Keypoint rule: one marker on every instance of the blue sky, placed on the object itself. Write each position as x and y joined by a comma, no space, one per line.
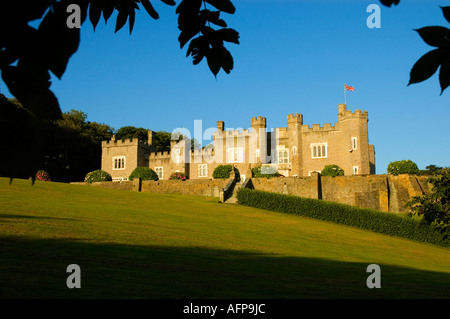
294,57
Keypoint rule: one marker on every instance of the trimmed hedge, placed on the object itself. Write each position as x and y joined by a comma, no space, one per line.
97,176
403,167
144,173
264,172
332,170
364,218
223,171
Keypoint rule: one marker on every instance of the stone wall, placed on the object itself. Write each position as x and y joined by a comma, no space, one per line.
187,187
382,192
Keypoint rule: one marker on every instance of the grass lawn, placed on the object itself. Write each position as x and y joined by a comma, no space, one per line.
144,245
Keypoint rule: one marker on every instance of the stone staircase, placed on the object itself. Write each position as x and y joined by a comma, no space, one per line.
233,198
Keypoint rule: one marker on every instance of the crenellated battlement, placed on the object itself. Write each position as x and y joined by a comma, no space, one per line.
159,155
113,142
347,114
258,121
327,127
295,118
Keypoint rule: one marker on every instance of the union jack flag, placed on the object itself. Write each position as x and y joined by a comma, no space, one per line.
348,87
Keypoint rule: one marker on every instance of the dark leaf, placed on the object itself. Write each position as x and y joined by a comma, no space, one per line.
388,3
444,73
169,2
186,35
426,66
95,11
229,35
435,36
30,85
131,20
223,5
57,43
446,11
213,59
227,60
108,9
149,8
121,19
213,17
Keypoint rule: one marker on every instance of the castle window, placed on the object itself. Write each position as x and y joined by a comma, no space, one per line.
319,150
354,143
160,172
294,150
283,157
203,170
235,155
119,162
355,170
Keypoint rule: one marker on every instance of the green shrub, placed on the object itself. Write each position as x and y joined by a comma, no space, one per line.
144,173
178,175
97,176
403,167
42,175
364,218
332,170
264,172
223,171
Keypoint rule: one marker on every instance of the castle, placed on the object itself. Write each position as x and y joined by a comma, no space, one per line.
293,151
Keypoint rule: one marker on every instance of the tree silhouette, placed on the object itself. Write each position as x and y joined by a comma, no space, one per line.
27,55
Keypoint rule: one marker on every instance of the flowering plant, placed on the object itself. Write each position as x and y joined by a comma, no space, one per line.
178,175
43,176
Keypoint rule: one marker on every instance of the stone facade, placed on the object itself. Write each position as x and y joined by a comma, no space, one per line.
294,151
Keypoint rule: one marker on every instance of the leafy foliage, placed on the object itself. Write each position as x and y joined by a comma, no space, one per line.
434,207
402,167
97,176
72,146
28,54
130,132
224,171
264,172
332,170
431,170
19,161
364,218
144,173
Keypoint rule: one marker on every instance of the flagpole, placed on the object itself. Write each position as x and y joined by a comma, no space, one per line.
345,95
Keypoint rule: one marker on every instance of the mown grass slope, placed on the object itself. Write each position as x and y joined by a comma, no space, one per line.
143,245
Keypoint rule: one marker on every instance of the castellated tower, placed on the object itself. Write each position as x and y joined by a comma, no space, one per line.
258,141
358,154
295,122
121,157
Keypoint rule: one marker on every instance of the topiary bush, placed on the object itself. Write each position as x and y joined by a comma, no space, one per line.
223,171
97,176
42,175
178,175
265,172
144,173
403,167
332,170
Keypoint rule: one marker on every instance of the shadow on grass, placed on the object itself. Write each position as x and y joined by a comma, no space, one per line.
15,216
36,268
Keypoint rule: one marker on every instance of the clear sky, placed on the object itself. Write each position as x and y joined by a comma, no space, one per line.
294,57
